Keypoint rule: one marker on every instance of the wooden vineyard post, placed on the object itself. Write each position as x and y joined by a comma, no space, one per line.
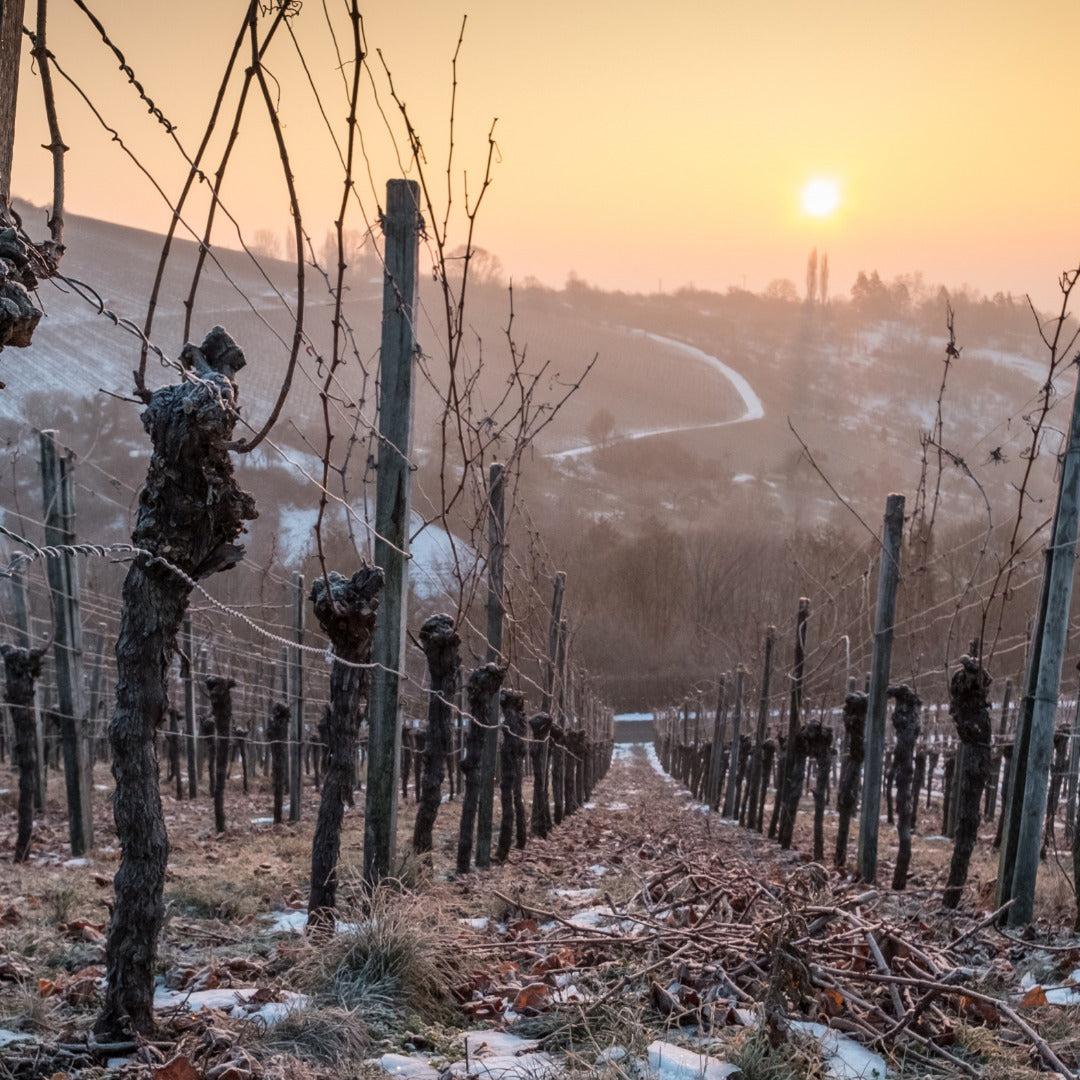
490,753
540,754
877,698
191,736
1073,769
401,229
58,490
1031,760
757,779
731,808
11,21
790,787
295,671
716,751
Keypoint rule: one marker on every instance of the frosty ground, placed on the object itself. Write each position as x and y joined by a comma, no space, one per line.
643,933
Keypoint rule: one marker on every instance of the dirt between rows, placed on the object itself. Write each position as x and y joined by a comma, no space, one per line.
641,917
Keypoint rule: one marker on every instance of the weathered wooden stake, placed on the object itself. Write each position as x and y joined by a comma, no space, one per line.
489,757
401,229
58,490
296,700
757,777
790,787
730,802
885,617
1035,733
191,734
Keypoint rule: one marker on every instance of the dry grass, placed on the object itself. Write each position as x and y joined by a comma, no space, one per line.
393,974
389,961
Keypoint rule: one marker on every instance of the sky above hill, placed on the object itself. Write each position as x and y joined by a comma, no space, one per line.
638,146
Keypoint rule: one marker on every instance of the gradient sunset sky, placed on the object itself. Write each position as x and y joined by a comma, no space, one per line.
640,145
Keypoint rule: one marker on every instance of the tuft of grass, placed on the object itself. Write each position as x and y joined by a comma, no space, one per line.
232,898
585,1031
390,963
59,902
22,1008
757,1059
319,1035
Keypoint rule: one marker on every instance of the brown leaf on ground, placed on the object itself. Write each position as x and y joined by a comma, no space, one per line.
179,1068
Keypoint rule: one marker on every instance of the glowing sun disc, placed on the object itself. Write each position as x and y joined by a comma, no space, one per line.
821,197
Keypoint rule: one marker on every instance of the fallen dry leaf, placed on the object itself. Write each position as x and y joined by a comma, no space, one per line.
179,1068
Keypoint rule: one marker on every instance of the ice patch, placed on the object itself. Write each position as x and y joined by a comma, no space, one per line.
576,895
407,1068
845,1059
1068,994
233,1000
476,924
295,922
7,1038
670,1062
618,806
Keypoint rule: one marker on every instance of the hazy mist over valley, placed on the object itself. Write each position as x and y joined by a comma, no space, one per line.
670,486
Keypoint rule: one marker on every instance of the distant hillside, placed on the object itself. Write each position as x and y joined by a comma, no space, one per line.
682,423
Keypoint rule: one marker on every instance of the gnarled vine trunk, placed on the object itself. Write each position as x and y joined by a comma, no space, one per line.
540,820
346,608
969,704
277,731
512,824
818,745
191,510
22,667
220,690
847,791
483,685
440,641
905,720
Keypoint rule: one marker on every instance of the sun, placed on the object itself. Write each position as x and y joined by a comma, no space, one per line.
821,197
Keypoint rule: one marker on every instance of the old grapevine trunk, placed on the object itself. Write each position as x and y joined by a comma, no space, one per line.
346,609
906,725
277,731
440,641
540,728
847,791
512,824
483,685
22,667
969,705
819,744
191,511
220,690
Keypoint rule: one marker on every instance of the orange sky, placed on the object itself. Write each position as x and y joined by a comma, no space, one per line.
640,144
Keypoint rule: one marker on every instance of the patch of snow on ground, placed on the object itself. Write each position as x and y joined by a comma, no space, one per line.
576,895
233,1000
407,1068
1056,995
295,922
670,1062
7,1038
845,1059
654,761
617,806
